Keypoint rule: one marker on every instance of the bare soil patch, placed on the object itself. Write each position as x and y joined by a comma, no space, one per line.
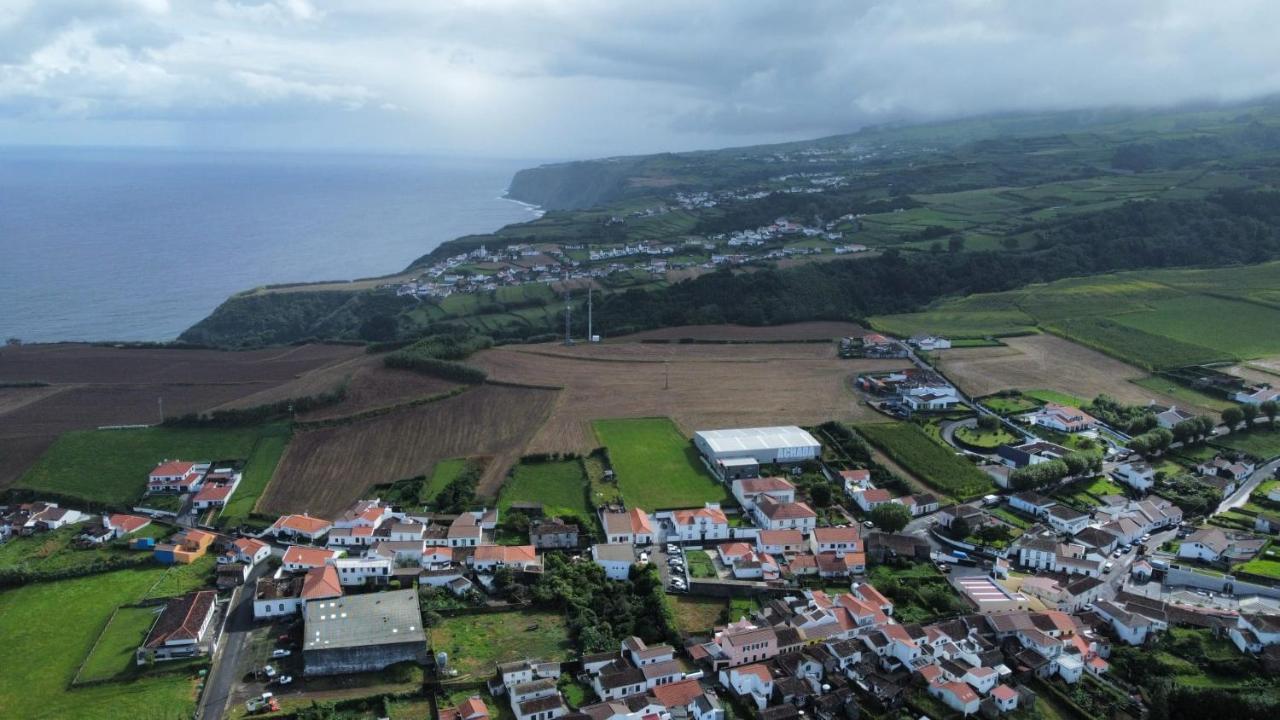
91,386
1048,362
817,330
324,470
1263,370
698,386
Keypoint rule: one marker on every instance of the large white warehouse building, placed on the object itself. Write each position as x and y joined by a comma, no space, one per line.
764,445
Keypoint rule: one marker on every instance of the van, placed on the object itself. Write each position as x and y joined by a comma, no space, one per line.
1107,568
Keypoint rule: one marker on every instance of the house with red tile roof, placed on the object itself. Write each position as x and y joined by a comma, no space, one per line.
249,551
473,708
696,525
956,695
1005,697
836,540
184,629
750,682
488,558
215,494
366,514
632,526
176,476
321,583
301,557
780,542
871,498
748,491
773,515
298,526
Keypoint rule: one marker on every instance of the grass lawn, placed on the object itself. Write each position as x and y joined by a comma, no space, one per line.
560,486
53,551
115,652
700,564
257,473
657,467
57,622
1266,564
742,607
1053,396
984,439
1260,443
445,472
181,579
111,466
1007,516
1009,404
477,643
1182,393
934,464
697,614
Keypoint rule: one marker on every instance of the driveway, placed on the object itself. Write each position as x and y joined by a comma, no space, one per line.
235,638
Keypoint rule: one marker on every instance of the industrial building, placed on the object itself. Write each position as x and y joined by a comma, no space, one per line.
730,452
362,633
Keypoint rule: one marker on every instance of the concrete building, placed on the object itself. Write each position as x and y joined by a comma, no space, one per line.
615,558
765,445
362,633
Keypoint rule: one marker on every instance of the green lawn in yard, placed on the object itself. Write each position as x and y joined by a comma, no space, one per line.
116,649
48,629
983,438
1183,394
742,607
111,466
181,579
1007,516
54,552
697,614
700,564
445,472
935,465
560,486
657,467
1009,404
1259,442
257,474
1053,396
478,643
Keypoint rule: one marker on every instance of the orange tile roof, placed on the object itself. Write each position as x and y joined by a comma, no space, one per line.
781,537
127,523
248,546
835,535
508,554
760,670
765,484
1004,692
301,523
871,595
963,692
173,467
690,517
677,694
320,583
640,522
472,707
303,555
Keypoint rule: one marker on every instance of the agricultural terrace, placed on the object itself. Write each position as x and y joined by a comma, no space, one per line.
325,470
58,623
935,465
697,385
1151,318
111,466
258,470
477,643
561,487
657,467
1047,368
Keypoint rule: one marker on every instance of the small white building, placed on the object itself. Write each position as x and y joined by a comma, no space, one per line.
1136,474
615,558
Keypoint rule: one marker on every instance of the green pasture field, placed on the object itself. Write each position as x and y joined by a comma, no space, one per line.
476,644
1009,404
54,552
1259,442
111,466
656,467
1242,330
1182,393
181,579
445,472
935,465
116,649
560,486
1058,398
57,622
258,470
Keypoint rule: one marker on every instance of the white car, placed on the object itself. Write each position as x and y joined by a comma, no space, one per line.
285,679
269,671
281,652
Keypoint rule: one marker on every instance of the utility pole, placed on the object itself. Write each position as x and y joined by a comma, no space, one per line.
590,334
568,309
160,402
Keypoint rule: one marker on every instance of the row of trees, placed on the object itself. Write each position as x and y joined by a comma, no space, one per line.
1247,414
1076,464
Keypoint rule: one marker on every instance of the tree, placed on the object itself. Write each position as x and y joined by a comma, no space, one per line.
891,516
1270,408
820,494
959,528
1232,417
1250,413
1077,463
988,423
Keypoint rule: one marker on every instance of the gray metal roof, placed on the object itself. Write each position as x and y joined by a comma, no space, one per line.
360,620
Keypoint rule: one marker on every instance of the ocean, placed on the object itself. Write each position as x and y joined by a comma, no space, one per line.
116,244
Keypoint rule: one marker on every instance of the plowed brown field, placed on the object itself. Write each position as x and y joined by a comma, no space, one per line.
324,470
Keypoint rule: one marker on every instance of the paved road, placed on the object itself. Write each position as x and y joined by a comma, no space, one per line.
1241,495
235,638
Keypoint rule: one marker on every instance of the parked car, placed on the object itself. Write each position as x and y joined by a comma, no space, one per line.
269,671
285,679
1117,553
1107,568
868,524
281,652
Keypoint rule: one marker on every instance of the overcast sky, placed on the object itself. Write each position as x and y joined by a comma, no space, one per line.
527,78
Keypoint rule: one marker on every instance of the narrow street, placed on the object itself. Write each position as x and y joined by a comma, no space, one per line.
1242,493
226,662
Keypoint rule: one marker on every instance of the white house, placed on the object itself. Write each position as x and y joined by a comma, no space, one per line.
835,540
929,343
176,476
298,526
871,498
750,682
1066,519
772,515
1252,633
363,570
632,527
700,525
749,490
615,558
1206,544
956,695
301,557
1129,627
1257,395
1136,474
1031,503
246,550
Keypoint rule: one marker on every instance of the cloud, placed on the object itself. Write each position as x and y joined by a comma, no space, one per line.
576,78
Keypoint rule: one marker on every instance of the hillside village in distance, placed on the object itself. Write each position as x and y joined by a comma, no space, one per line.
1057,541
